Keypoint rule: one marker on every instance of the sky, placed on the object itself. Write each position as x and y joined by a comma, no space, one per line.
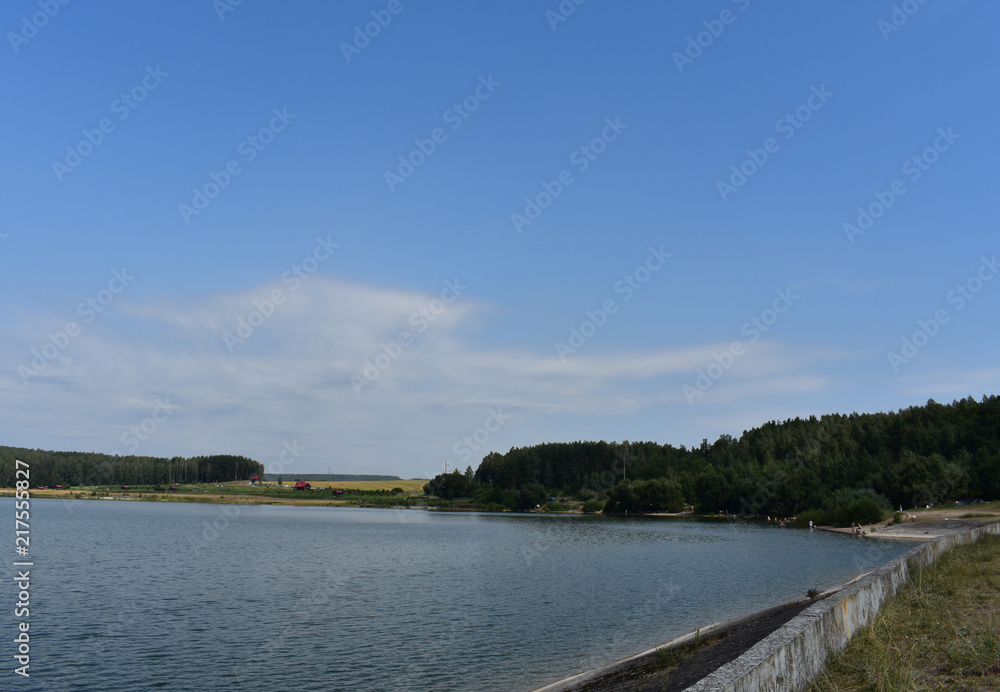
390,237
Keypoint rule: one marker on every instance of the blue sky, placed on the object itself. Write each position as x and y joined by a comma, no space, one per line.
398,313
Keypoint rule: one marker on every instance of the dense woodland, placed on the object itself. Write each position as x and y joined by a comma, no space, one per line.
917,456
86,468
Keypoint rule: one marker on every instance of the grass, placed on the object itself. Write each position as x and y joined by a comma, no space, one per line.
940,632
414,487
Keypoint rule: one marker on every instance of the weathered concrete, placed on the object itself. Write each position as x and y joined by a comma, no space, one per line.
582,680
793,656
926,530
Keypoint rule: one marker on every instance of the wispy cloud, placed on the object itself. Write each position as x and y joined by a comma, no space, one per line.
292,379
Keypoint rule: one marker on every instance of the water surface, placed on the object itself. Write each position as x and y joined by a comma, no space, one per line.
146,596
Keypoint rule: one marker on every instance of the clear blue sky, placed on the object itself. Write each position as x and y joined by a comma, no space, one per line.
833,100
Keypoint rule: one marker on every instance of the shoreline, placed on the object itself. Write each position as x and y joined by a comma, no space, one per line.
710,651
657,669
928,525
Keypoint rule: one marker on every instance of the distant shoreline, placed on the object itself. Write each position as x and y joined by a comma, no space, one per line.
930,524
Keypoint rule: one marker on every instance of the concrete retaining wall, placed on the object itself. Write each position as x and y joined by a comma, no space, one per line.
794,655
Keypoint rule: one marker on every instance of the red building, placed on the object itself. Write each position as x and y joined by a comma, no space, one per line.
302,485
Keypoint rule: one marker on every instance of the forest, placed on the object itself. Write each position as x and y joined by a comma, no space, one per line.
914,457
88,468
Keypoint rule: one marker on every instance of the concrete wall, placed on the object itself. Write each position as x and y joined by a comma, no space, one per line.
793,656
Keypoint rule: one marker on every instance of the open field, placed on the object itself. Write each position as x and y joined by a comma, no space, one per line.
410,487
941,631
242,492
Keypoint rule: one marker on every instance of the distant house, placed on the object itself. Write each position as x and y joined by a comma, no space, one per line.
338,491
125,487
255,480
173,488
302,485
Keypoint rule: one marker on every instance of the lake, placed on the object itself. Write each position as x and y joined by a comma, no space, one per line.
144,596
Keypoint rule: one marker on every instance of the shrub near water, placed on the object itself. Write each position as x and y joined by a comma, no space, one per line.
817,516
864,510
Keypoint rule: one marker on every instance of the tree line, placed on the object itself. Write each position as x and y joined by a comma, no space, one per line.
89,468
917,456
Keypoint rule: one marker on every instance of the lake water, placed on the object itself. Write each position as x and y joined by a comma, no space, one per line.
146,596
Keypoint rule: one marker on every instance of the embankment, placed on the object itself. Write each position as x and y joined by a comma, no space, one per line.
791,656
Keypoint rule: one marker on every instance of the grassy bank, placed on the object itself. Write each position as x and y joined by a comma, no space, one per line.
941,631
357,493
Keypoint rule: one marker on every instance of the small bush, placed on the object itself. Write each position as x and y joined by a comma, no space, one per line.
864,510
897,518
817,516
593,505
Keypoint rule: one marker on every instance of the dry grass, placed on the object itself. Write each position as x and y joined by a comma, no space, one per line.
940,632
414,487
982,509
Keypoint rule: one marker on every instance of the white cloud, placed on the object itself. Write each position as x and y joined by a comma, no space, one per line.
291,379
954,383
